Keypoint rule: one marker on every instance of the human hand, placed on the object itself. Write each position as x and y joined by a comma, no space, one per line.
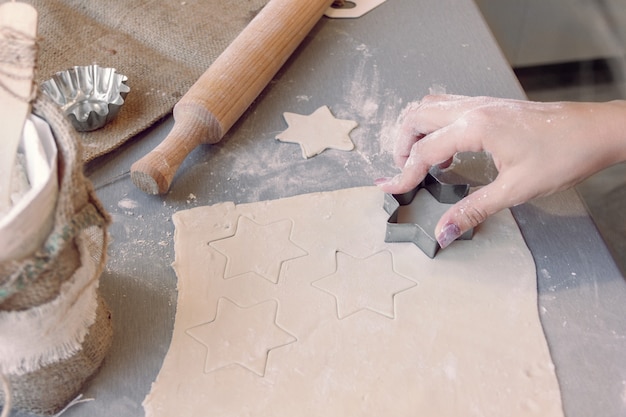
538,149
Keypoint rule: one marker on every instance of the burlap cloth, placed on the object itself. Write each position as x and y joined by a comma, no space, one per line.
77,336
163,46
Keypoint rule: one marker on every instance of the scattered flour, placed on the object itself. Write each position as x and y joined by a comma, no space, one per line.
127,203
437,89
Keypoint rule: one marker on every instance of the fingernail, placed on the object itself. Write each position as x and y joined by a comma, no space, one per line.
382,181
448,234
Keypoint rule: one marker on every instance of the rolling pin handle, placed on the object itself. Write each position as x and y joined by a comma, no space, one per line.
194,125
148,176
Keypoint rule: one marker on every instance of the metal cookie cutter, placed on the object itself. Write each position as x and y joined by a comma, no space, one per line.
414,214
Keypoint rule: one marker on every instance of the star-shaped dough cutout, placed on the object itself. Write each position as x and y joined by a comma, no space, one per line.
241,336
364,284
317,132
261,249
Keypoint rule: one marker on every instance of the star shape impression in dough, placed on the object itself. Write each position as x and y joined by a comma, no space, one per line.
317,132
257,248
364,284
241,336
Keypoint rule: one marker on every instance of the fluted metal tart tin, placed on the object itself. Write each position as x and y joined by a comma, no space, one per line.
90,96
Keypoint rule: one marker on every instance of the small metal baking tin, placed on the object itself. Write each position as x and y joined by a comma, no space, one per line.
415,232
90,96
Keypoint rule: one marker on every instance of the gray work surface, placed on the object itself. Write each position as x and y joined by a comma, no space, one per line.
367,70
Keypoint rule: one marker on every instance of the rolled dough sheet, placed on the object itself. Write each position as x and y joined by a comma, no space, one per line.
297,307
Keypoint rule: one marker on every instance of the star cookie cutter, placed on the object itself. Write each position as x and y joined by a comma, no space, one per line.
416,232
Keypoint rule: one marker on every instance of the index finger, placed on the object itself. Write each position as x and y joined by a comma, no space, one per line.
421,118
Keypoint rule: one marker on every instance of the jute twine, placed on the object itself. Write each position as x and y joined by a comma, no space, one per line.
18,53
44,383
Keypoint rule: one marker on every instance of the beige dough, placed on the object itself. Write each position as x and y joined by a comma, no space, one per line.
297,307
317,132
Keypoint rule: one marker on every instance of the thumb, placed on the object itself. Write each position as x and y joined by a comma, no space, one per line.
469,213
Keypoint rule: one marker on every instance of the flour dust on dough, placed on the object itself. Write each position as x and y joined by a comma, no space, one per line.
343,324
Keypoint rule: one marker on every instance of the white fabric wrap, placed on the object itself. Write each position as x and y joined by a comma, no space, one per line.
54,331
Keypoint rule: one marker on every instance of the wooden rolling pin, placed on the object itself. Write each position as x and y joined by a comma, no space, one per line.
228,87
